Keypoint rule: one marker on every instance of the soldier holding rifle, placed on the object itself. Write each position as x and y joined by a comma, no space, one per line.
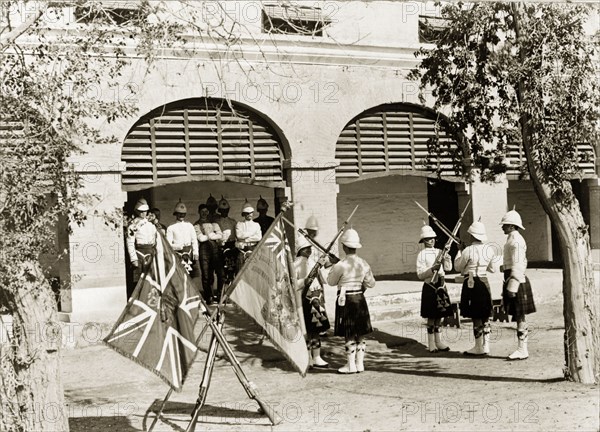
313,303
431,264
433,303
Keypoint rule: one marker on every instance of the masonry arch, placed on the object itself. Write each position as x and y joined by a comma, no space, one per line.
396,139
203,139
190,149
386,162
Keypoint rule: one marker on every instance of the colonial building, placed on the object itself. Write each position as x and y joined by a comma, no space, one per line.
312,104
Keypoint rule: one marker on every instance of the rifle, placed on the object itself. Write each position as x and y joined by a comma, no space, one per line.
332,257
444,252
315,270
439,224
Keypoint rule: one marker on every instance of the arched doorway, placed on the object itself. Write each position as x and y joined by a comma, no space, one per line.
390,156
194,148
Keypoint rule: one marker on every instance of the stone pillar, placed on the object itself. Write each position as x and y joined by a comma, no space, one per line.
314,192
488,202
97,249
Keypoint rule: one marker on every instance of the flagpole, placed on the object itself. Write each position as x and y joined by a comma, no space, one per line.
206,376
226,293
219,339
170,392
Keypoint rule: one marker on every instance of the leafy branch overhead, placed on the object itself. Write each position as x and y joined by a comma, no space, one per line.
478,63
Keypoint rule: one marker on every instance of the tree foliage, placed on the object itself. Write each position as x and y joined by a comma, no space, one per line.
526,75
478,63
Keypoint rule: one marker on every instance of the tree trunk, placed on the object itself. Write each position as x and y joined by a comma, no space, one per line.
32,397
580,307
580,300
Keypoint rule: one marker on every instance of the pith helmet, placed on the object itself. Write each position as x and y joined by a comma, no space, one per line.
512,218
141,205
180,208
247,208
312,223
223,203
351,239
302,243
477,230
426,232
261,204
212,203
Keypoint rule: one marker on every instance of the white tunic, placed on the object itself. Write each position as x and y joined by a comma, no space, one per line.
350,273
425,260
515,256
247,233
181,234
140,232
477,259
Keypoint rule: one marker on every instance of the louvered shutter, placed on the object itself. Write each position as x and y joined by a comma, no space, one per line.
391,139
203,140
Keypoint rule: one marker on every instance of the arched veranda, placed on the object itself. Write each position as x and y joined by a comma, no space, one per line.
388,159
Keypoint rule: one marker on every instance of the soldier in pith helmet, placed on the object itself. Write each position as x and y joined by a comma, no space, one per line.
313,303
312,226
517,294
182,237
474,262
212,205
141,239
247,233
227,226
352,275
263,220
427,266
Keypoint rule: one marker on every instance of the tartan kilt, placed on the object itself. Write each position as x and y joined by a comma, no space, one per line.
430,299
476,302
352,319
523,303
315,315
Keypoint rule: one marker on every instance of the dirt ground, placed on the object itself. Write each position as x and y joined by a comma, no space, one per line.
404,387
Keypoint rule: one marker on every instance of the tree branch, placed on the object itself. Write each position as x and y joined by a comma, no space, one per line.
10,37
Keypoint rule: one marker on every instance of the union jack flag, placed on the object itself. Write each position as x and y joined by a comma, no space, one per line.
265,290
156,328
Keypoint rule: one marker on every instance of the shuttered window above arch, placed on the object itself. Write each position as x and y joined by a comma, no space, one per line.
394,138
201,140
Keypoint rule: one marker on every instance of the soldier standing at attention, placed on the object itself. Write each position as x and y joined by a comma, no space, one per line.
517,295
247,233
212,205
476,295
263,220
352,275
227,226
141,239
209,235
427,265
182,237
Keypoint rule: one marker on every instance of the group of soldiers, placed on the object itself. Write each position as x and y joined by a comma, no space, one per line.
474,262
215,241
353,276
214,246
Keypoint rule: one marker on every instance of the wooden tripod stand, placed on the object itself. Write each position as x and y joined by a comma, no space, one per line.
215,322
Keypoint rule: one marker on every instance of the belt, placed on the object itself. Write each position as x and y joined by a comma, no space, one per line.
145,246
352,292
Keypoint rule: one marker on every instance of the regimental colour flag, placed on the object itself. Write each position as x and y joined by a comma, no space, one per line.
264,289
156,328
